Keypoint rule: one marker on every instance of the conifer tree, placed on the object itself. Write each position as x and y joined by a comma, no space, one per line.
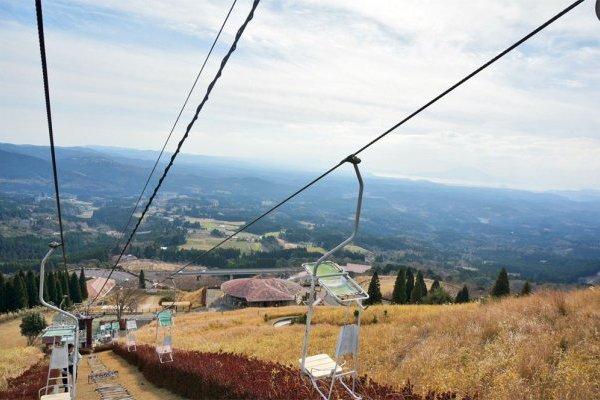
374,290
50,287
2,293
416,296
421,282
399,293
64,283
83,285
20,292
526,289
410,284
463,295
142,280
435,285
58,292
501,287
32,290
10,295
74,289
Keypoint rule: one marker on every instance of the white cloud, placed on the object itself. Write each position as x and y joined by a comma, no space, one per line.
313,80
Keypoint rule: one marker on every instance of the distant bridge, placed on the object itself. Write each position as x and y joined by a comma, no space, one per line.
231,272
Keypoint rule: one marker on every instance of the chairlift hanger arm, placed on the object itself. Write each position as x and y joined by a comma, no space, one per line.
354,160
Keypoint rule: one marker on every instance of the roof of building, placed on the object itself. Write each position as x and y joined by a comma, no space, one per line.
94,285
260,290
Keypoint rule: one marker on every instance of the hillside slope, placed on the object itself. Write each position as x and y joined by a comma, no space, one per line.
545,346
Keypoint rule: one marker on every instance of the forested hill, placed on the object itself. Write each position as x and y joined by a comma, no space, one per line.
542,236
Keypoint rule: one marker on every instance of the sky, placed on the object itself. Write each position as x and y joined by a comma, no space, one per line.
313,80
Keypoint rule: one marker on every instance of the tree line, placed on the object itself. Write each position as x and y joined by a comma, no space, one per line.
411,289
21,290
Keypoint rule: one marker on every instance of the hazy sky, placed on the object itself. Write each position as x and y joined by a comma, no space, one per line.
314,79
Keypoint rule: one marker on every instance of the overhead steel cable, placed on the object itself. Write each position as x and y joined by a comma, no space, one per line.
137,203
183,139
381,136
42,43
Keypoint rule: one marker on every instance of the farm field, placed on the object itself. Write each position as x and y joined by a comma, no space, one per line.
545,346
203,241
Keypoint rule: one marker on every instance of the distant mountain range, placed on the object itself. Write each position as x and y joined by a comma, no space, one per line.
551,232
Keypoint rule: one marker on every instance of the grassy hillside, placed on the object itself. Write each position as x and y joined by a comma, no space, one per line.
15,355
545,346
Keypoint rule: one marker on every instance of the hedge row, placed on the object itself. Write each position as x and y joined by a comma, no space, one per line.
26,385
217,376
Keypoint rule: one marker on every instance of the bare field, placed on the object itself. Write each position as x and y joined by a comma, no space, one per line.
203,241
545,346
149,265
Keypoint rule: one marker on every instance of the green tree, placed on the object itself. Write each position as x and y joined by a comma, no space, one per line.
2,293
64,283
50,287
32,324
501,287
83,285
58,291
416,296
410,283
9,291
435,285
374,290
421,282
463,295
74,288
32,290
399,293
437,296
526,289
20,292
142,280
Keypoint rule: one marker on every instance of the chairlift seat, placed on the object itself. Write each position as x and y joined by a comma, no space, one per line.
336,281
56,396
165,349
320,366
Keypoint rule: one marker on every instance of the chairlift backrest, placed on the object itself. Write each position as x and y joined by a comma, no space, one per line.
165,318
347,341
131,324
167,341
59,358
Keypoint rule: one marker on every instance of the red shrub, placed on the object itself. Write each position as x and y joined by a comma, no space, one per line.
216,376
26,385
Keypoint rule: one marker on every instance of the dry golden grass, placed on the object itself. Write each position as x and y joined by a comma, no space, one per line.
15,355
545,346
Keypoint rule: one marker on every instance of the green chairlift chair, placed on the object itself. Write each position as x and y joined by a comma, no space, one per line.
63,331
164,343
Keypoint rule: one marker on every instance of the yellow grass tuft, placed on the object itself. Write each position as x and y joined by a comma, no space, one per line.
15,360
544,346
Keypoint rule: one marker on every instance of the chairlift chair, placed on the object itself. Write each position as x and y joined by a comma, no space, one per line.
64,331
346,292
131,327
164,324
